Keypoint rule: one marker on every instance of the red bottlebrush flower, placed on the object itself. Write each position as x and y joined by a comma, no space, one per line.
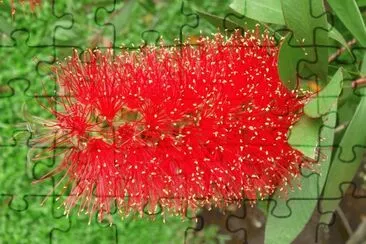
179,127
98,84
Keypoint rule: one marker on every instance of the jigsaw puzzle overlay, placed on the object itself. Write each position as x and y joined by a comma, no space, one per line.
321,51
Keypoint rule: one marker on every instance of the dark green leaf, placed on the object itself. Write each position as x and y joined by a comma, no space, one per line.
350,15
326,98
267,11
346,161
309,33
289,217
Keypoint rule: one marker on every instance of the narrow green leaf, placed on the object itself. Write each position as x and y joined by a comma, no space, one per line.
350,15
267,11
289,217
346,161
231,20
224,23
325,99
299,18
337,36
304,136
218,21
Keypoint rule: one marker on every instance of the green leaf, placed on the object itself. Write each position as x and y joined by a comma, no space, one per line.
230,23
325,99
350,15
290,217
267,11
299,18
346,161
337,36
289,65
222,22
219,22
304,136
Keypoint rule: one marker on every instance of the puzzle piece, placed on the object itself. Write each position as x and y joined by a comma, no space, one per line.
30,223
34,43
149,27
30,67
15,148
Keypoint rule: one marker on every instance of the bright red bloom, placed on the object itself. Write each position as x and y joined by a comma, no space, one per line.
179,127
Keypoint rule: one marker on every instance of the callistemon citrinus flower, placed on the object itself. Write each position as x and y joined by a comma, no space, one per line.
178,127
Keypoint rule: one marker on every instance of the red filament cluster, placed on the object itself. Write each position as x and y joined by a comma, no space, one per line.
179,127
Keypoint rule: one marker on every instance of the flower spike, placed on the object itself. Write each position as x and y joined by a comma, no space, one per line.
176,128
